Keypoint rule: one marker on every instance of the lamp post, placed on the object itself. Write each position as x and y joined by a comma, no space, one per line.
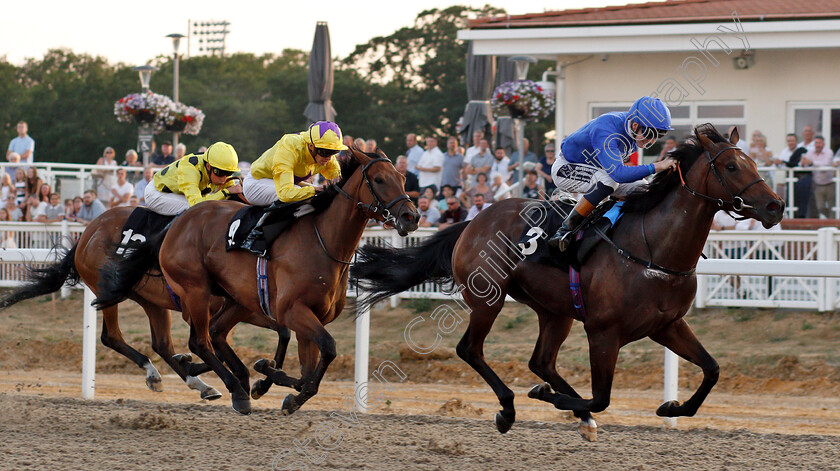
522,64
176,42
144,133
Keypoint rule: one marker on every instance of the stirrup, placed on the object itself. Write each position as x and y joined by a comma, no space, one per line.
561,239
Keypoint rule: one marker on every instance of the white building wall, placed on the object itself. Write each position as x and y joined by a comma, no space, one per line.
776,78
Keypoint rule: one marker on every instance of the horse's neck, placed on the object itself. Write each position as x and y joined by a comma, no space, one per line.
342,225
676,229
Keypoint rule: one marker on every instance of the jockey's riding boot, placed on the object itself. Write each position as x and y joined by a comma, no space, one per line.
563,238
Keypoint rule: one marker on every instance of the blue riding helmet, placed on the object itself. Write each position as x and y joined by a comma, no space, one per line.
651,113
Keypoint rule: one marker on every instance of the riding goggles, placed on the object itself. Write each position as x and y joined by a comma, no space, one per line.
220,173
325,152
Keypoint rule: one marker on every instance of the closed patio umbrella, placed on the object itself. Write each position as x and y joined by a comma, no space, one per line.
505,72
477,114
320,107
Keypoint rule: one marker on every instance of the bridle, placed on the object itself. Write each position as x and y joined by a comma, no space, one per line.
736,202
377,207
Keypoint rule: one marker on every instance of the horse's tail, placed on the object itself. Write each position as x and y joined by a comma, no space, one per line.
382,272
126,269
45,280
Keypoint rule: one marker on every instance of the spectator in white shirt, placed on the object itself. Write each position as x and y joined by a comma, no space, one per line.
479,162
35,208
122,190
475,148
23,145
54,212
501,164
429,213
808,138
413,154
140,188
430,164
478,206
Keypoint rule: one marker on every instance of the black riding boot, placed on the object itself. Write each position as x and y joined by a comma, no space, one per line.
563,237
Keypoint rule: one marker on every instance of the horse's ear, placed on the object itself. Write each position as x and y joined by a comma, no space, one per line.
734,137
704,141
360,156
381,153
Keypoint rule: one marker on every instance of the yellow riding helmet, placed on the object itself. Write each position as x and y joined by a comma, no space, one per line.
223,157
326,135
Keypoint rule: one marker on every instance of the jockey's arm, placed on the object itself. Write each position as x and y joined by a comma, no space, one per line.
189,180
609,153
284,184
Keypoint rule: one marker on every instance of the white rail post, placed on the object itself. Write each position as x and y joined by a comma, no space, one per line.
824,250
360,386
66,243
397,243
672,372
89,347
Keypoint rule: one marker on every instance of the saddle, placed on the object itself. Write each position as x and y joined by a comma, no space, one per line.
255,228
546,217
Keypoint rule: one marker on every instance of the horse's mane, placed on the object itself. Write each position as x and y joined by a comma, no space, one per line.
664,182
348,165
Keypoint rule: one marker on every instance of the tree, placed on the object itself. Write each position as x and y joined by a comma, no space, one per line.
421,73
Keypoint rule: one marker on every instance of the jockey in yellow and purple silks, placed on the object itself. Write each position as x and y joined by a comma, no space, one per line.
193,179
278,173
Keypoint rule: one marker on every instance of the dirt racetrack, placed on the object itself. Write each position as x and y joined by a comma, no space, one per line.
43,425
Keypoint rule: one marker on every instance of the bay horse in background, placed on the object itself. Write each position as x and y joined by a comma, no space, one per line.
307,272
82,262
625,301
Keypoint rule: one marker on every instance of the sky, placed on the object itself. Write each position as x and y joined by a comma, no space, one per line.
135,32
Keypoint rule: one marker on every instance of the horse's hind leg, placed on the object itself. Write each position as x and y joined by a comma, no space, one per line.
471,350
309,330
678,337
554,330
196,308
113,339
261,386
160,324
233,313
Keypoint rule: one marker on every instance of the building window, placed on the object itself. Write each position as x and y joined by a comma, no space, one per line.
684,117
824,117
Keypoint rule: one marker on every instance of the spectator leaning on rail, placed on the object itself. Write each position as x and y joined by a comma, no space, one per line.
91,208
140,187
276,175
23,145
591,160
822,187
193,179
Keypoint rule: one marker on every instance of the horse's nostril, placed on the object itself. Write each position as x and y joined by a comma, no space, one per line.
774,207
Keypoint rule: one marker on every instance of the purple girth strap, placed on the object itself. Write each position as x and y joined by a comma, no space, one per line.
574,285
300,179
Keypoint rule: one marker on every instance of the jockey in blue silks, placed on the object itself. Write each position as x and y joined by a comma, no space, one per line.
591,159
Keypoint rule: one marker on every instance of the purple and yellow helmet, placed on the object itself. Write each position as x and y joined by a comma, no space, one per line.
326,135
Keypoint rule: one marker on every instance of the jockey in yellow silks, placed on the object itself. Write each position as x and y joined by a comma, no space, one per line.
278,173
194,178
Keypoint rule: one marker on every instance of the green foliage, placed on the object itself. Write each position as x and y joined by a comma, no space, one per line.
421,305
410,81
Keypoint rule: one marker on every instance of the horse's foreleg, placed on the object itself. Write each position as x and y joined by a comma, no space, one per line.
113,339
219,334
310,334
471,350
553,332
678,337
269,368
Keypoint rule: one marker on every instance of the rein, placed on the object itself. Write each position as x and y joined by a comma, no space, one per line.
377,207
736,202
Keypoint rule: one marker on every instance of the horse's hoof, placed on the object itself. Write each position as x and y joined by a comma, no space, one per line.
243,406
260,365
154,383
259,388
182,357
289,407
668,409
501,423
588,430
210,394
537,391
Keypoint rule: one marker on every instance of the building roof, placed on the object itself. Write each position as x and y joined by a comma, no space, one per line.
671,11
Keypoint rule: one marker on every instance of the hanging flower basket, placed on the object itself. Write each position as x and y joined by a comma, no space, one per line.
144,108
186,119
522,99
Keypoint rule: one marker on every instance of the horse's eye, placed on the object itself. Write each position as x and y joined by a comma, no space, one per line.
379,180
730,167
